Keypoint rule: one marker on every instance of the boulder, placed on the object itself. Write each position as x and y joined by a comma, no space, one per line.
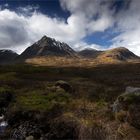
64,85
130,103
130,89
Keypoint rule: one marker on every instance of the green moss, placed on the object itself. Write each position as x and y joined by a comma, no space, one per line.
101,103
38,101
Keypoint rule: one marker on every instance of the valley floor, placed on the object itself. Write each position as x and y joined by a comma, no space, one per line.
76,61
52,102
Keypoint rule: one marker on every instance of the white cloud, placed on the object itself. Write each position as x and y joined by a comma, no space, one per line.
22,27
18,30
96,15
83,45
127,19
128,24
27,25
12,29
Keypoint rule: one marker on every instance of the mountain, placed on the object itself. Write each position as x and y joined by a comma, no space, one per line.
89,53
47,46
7,56
119,54
88,58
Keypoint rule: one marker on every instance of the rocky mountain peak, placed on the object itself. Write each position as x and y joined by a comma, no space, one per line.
47,46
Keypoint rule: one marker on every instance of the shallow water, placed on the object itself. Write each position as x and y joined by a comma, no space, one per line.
3,125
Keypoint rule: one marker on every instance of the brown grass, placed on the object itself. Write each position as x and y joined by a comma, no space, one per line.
76,62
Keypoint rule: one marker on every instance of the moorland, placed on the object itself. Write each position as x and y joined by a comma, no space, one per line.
50,102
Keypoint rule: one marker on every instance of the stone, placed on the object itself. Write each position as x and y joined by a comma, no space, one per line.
130,89
130,103
64,85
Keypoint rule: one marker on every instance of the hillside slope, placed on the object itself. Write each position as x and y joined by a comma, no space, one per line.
88,59
120,54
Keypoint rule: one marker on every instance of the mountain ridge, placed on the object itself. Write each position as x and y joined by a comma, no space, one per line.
49,48
7,56
89,53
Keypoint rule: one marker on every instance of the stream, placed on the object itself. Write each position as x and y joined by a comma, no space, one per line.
3,125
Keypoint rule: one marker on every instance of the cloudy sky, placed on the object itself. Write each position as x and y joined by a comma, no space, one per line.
98,24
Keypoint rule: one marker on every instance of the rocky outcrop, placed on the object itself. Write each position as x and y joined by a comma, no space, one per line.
26,129
127,106
130,89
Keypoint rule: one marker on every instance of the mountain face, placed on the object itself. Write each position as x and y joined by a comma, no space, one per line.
117,54
47,46
89,53
7,56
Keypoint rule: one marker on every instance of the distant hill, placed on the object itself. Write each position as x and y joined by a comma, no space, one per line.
120,54
89,53
7,56
47,46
